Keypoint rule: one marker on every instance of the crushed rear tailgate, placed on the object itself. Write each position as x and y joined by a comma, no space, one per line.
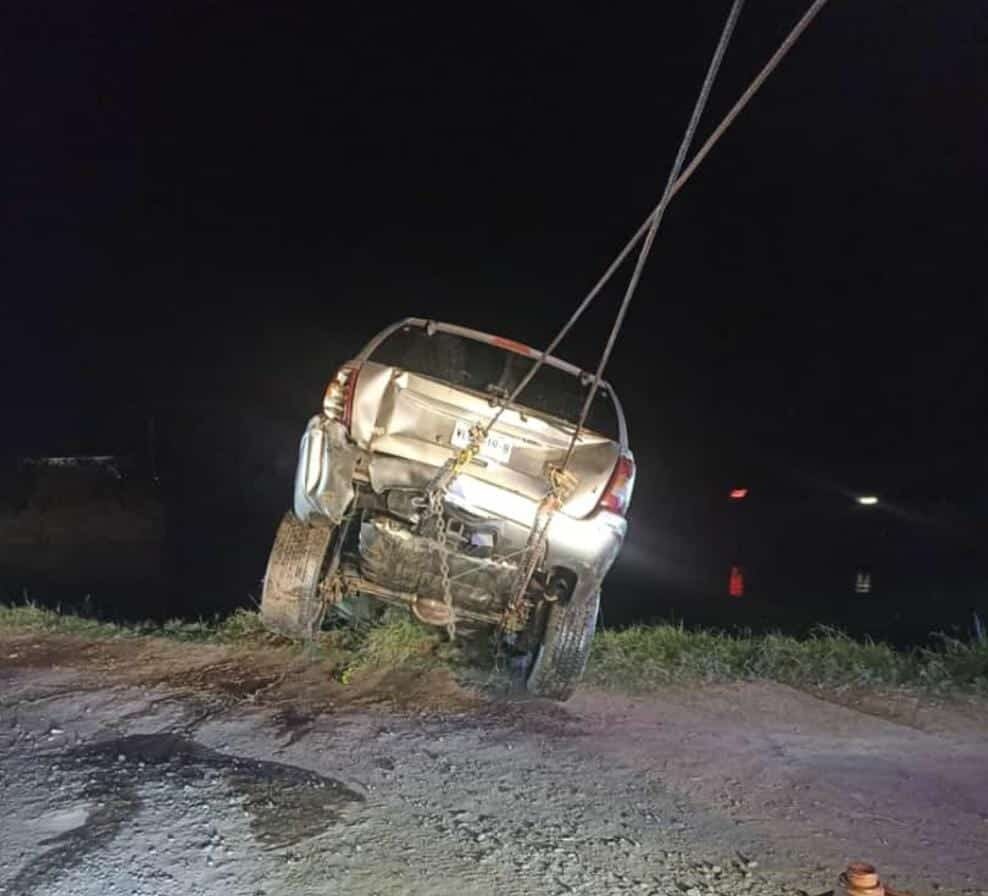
417,418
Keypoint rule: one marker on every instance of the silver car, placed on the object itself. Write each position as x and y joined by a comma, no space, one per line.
406,495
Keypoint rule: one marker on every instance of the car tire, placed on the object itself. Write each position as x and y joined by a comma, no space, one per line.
291,603
561,658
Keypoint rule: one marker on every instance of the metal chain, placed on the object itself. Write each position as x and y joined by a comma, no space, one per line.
515,613
436,495
436,511
562,484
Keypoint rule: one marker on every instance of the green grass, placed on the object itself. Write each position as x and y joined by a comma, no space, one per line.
397,640
239,627
636,659
641,658
31,616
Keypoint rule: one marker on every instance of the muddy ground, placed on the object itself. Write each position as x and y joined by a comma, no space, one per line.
152,767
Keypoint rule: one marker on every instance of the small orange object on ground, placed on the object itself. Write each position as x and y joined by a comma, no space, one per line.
861,879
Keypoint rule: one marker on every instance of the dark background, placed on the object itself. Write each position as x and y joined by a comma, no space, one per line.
210,206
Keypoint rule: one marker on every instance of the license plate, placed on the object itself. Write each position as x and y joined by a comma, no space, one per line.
496,447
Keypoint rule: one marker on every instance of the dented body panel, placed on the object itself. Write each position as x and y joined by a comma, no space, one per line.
326,465
399,427
402,415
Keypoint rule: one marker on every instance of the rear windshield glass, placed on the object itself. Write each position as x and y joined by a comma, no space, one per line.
490,370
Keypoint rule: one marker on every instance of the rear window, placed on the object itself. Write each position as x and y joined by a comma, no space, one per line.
494,371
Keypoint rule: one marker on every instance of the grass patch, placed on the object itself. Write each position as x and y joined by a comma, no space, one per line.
35,618
636,659
641,658
241,626
397,640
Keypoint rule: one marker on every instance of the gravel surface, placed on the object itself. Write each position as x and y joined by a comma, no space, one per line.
118,789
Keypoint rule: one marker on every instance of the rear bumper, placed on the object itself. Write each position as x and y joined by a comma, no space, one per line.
587,547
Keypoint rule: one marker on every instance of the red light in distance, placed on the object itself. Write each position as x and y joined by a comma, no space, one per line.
738,493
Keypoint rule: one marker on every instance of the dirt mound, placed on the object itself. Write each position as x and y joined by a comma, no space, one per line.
261,674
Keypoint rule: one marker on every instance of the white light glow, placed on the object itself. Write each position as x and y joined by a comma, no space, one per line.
868,500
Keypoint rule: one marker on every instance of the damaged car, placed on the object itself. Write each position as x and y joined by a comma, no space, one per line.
422,485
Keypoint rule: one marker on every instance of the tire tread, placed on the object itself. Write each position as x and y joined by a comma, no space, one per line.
565,649
290,600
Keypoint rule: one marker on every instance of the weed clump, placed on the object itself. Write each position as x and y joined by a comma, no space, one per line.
396,640
645,657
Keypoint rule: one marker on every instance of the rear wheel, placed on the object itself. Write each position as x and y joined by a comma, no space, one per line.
562,656
291,603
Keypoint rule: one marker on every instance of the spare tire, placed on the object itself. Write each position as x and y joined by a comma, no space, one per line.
561,658
291,603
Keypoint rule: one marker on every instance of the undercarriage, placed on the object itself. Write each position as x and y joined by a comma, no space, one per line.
390,552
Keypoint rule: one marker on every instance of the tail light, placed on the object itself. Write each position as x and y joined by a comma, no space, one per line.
617,495
337,404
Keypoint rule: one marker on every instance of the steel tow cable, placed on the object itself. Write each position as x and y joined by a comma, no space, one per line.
701,154
561,485
656,218
648,229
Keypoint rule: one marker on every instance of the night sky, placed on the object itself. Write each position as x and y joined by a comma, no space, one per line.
208,207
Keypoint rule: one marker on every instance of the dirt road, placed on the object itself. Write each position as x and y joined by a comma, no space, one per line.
155,768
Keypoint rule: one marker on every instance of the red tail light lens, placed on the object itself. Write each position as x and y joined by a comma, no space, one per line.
337,403
617,495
